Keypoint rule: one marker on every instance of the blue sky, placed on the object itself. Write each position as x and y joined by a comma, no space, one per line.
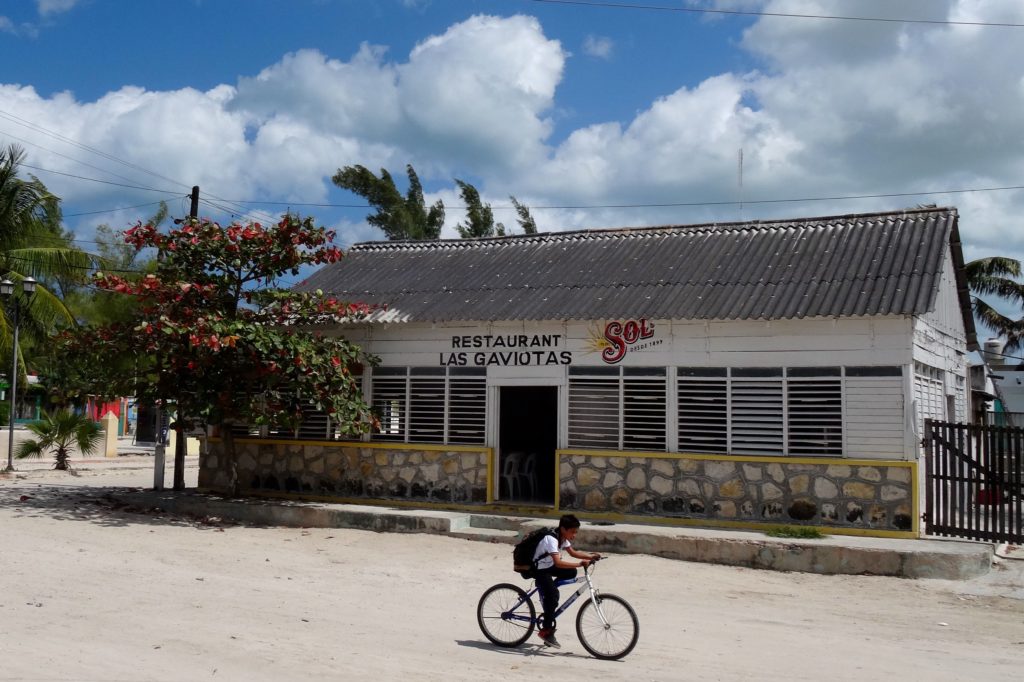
559,104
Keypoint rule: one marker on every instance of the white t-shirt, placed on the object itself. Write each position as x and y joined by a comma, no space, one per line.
548,546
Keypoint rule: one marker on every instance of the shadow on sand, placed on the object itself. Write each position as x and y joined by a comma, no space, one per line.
100,505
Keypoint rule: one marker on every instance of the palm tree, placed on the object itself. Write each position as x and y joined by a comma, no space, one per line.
31,243
995,277
60,432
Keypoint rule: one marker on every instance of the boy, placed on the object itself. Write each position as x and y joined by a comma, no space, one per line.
551,567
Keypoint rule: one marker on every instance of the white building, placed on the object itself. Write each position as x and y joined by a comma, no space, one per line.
735,374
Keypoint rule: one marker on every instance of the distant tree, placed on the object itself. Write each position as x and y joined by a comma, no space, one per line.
996,276
399,217
214,336
93,306
479,216
60,432
525,218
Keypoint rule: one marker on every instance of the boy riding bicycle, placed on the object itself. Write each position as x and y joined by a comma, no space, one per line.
550,568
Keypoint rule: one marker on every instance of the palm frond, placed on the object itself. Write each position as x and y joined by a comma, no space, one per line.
995,266
29,448
50,261
992,318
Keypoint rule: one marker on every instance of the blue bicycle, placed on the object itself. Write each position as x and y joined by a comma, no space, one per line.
606,624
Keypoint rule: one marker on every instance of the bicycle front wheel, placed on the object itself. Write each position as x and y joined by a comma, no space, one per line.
610,637
506,615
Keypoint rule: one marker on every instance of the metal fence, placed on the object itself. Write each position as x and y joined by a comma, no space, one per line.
974,481
1015,419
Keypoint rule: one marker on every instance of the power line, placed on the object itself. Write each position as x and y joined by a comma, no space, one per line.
109,210
105,182
55,135
682,203
83,268
65,156
788,15
675,204
45,131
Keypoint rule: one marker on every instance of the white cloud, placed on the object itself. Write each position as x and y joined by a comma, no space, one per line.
6,25
476,94
47,7
598,46
840,108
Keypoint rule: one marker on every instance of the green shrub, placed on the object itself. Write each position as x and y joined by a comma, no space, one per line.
802,532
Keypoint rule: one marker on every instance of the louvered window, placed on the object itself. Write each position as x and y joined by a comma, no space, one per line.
928,394
467,403
644,395
756,398
814,402
761,410
594,407
617,408
430,404
703,400
315,425
426,404
390,391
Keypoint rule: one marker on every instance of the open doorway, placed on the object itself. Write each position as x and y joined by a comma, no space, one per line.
528,436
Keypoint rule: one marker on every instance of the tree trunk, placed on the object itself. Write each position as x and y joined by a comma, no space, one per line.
62,460
227,439
179,454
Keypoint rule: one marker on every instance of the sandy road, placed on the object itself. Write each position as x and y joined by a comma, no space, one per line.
89,591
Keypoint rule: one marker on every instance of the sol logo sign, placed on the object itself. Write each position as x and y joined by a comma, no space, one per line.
620,337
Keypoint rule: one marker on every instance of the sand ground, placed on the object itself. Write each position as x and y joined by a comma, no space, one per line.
92,591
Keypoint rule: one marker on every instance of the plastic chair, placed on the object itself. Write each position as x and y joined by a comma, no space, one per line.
530,474
510,473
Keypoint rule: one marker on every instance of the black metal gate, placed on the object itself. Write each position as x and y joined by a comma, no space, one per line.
974,477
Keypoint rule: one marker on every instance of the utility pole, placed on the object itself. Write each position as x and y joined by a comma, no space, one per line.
180,446
159,451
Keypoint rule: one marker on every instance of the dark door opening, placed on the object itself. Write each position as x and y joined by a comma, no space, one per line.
528,436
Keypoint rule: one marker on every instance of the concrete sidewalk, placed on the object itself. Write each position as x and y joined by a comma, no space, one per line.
838,554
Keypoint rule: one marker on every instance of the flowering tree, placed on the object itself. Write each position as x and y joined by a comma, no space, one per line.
215,336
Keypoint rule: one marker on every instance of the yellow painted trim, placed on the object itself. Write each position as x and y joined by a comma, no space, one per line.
832,461
490,475
426,447
915,500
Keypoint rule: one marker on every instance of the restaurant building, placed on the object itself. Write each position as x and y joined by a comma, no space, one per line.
731,374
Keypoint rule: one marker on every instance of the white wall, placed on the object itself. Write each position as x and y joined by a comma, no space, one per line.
745,343
940,342
876,412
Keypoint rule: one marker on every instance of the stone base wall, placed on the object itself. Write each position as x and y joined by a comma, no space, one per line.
350,470
836,493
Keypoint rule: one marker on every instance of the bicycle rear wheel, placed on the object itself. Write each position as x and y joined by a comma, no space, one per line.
613,637
506,615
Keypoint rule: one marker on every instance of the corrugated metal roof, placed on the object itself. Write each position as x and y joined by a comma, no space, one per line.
866,264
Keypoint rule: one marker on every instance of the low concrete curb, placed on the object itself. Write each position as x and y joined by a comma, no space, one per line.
848,555
834,555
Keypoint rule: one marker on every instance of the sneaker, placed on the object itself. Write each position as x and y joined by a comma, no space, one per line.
549,639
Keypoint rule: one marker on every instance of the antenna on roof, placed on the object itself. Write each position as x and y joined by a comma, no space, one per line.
740,164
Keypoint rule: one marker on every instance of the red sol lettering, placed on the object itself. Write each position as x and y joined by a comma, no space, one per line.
621,335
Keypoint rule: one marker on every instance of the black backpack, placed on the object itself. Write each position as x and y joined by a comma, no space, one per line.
525,549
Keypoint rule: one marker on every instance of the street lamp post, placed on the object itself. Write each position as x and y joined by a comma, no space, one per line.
28,286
